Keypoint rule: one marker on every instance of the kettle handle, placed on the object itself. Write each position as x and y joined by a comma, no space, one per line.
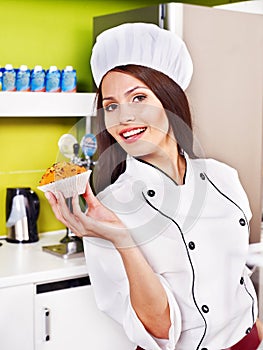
35,201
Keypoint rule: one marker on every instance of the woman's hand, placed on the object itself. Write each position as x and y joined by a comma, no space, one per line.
98,221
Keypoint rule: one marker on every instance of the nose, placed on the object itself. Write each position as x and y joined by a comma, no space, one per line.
126,113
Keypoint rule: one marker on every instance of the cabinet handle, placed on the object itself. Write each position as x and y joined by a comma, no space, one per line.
46,333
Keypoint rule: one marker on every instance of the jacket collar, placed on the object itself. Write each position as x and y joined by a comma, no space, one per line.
151,174
162,193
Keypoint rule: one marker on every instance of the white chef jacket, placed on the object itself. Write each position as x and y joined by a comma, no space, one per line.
195,237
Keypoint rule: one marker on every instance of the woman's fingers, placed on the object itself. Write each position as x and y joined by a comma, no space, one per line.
62,211
86,222
92,226
72,220
97,222
52,199
65,211
90,198
77,210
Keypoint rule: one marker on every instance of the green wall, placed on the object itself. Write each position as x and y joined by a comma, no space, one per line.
46,32
53,32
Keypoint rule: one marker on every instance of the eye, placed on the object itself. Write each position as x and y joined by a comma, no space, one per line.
138,98
111,107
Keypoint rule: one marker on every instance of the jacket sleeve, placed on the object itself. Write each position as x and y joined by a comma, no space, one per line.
111,290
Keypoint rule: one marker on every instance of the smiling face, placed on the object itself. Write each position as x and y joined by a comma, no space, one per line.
134,116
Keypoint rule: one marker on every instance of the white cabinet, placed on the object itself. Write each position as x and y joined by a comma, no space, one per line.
66,317
57,315
16,318
47,303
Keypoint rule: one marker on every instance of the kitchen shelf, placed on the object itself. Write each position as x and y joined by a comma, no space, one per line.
44,104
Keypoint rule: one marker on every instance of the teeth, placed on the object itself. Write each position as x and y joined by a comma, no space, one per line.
133,132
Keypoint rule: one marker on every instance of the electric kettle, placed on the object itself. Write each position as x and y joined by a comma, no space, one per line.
22,210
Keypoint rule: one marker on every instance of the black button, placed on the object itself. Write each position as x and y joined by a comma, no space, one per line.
202,175
205,309
151,193
191,245
204,349
248,330
242,222
241,280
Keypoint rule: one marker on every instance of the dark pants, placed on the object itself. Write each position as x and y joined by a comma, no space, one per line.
249,342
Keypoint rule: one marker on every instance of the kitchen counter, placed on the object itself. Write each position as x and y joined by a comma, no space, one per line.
28,263
46,315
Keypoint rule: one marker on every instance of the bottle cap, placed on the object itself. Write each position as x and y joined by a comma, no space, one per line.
37,68
8,67
69,68
23,67
53,68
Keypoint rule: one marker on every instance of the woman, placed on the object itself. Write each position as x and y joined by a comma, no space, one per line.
166,238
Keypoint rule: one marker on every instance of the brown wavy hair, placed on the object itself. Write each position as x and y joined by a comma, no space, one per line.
112,158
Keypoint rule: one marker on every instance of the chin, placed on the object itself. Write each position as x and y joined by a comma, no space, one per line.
139,154
140,149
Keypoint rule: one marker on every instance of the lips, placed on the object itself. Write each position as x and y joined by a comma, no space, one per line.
132,134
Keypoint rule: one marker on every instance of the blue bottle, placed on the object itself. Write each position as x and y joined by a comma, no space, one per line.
23,78
38,79
9,78
53,80
69,80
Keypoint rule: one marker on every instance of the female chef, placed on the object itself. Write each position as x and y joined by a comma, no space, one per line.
166,238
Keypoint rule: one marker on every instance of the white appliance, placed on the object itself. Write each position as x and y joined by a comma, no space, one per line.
226,92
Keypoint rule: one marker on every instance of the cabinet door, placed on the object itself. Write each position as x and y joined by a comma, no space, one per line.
16,318
69,319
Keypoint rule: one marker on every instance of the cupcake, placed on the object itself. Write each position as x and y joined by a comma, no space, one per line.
65,177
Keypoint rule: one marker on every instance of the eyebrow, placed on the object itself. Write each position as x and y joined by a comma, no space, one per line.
128,92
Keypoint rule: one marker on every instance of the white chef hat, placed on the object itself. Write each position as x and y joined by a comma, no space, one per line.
143,44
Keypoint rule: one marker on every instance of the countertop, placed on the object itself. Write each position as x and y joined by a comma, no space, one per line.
28,263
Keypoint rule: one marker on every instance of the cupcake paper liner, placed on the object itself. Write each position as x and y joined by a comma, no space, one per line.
68,186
